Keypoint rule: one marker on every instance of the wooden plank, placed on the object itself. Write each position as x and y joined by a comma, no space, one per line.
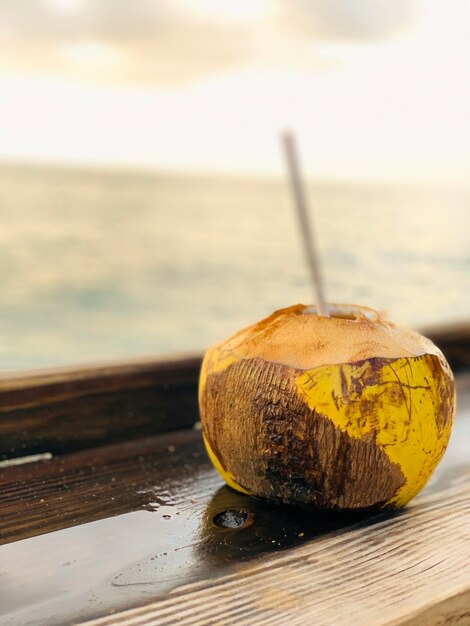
74,408
89,485
132,524
113,526
392,573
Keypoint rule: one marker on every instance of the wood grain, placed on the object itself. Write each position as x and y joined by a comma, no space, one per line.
74,408
393,573
93,484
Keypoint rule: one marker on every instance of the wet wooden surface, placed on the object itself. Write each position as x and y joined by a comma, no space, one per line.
75,408
412,569
145,533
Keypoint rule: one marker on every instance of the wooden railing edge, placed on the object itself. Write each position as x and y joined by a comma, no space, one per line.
71,408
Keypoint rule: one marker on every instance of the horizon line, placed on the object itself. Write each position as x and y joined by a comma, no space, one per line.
120,167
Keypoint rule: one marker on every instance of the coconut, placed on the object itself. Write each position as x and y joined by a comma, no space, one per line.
345,412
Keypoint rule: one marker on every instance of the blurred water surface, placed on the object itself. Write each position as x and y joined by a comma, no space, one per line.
103,265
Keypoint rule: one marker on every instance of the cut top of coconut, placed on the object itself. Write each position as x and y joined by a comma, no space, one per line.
298,337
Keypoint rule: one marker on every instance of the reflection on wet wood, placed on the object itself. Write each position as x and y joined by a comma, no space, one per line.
392,572
92,484
164,498
75,408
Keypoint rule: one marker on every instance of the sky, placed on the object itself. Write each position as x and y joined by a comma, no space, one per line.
374,89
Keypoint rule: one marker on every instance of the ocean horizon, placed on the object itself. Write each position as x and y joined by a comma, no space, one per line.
100,264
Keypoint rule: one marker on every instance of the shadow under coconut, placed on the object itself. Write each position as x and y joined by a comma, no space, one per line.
229,530
236,528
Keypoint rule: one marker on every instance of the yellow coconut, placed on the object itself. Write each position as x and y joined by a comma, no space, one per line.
346,412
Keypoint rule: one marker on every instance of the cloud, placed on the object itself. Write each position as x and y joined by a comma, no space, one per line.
132,41
176,41
343,20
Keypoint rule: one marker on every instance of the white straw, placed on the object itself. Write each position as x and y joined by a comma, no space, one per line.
306,229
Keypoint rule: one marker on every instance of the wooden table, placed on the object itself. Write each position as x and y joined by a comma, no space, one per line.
128,523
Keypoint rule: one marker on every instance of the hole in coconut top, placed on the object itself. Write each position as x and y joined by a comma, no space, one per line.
345,312
344,316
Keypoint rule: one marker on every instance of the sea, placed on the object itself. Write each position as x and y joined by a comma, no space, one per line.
98,265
